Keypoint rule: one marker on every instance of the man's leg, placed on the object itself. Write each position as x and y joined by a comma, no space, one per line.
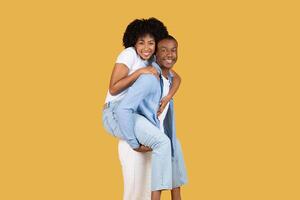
136,169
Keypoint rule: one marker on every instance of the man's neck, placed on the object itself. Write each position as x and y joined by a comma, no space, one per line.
165,72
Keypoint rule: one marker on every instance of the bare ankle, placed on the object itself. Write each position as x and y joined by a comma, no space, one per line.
155,195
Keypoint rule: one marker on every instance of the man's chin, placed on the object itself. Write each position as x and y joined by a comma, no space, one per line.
168,66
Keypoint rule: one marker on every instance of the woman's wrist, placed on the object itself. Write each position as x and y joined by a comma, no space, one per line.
138,72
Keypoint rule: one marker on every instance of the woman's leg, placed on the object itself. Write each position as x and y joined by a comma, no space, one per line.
179,174
151,136
175,194
155,195
136,169
109,120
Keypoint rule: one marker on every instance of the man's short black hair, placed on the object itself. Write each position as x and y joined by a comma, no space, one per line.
142,27
169,37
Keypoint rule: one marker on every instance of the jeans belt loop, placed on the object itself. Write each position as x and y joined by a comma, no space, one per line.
106,105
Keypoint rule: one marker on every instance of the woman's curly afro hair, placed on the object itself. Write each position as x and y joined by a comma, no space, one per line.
141,27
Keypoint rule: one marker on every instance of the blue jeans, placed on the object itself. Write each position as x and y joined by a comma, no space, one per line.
151,136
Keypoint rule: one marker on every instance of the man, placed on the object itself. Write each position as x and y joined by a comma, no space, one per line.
138,113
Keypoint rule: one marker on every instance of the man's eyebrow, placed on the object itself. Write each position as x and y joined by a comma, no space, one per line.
164,47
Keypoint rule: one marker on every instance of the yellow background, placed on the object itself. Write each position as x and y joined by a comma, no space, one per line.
237,109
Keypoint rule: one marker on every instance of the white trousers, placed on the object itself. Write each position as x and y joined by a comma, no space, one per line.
136,169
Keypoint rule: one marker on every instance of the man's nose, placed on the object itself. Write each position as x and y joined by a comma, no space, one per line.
169,54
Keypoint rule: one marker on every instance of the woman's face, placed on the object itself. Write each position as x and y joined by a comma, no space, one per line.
145,46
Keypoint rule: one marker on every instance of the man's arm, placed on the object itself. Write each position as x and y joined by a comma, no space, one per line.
175,84
174,87
142,87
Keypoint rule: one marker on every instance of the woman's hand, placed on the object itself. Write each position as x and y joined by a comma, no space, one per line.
148,70
143,149
163,102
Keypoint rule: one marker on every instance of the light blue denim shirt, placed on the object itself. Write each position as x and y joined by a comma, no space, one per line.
143,97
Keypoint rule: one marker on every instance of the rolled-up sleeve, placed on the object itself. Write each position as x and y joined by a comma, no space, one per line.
141,88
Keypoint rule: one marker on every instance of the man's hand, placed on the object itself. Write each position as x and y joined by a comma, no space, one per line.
164,101
143,149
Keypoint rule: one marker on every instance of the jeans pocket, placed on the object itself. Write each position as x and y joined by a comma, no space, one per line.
107,124
110,124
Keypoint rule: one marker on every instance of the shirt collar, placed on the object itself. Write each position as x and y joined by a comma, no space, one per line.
157,67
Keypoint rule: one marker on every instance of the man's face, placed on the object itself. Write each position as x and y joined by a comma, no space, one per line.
166,55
